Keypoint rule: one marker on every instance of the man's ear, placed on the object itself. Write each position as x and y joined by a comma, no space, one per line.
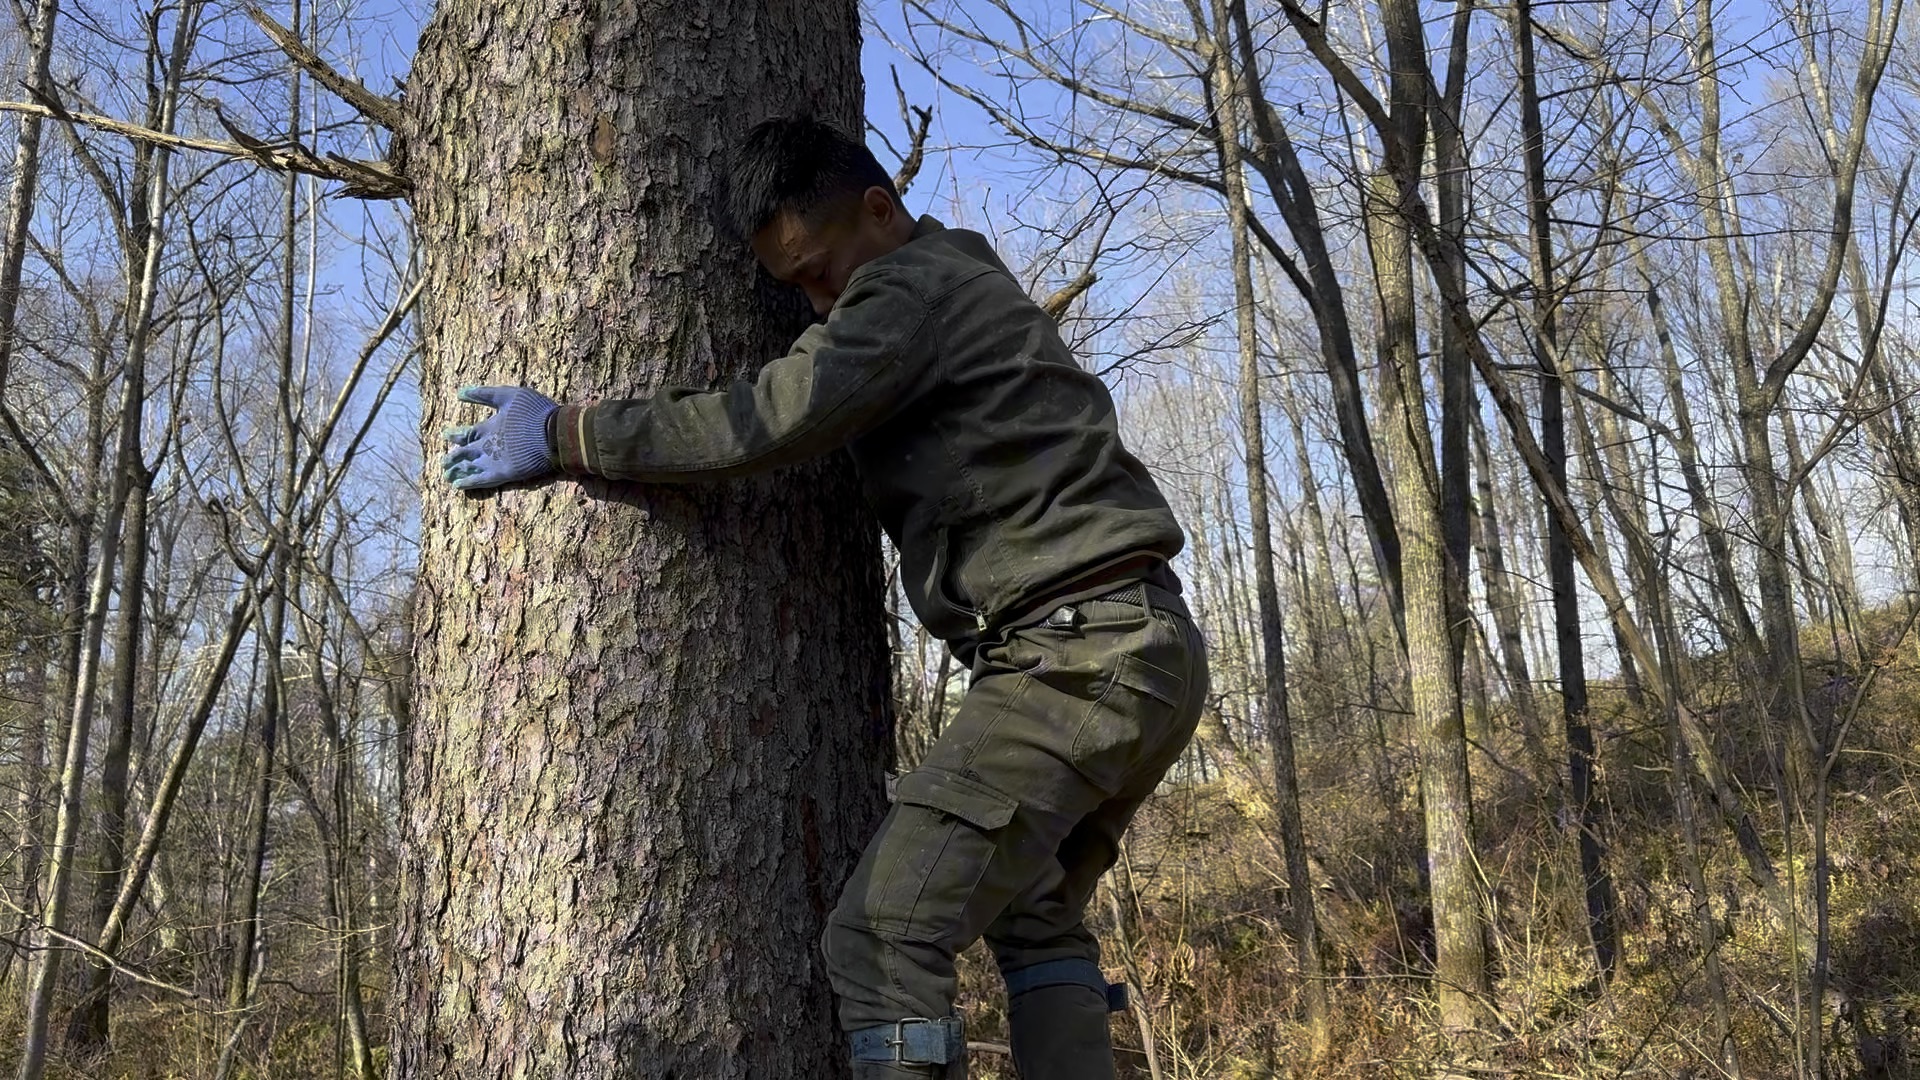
880,203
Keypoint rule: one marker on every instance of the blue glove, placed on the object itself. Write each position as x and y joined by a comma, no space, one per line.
509,446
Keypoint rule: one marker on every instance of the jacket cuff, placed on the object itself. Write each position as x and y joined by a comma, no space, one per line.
571,435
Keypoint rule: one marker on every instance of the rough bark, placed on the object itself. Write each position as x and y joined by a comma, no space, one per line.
648,723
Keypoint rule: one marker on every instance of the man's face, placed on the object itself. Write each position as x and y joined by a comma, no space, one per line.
820,252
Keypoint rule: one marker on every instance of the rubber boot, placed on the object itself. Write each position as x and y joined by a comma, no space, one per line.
1060,1033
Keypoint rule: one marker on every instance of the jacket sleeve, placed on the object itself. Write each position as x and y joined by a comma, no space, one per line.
841,379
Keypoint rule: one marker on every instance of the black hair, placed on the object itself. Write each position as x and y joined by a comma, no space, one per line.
799,164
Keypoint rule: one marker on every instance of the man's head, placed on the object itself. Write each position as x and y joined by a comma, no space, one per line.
815,203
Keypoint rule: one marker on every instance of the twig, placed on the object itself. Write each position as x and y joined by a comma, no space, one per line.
104,957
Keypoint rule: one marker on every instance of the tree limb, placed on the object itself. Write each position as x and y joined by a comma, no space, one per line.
383,111
358,179
916,154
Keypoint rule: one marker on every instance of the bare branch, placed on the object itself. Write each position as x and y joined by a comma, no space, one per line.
917,135
383,111
359,179
1062,298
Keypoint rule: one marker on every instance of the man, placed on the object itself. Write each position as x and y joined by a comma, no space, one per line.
1029,539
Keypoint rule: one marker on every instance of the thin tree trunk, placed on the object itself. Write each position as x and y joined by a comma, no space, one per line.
333,822
245,929
1646,567
25,176
1275,708
1705,507
1504,606
1602,929
152,200
1836,551
1460,966
1278,163
1136,1000
89,1025
19,222
277,504
649,723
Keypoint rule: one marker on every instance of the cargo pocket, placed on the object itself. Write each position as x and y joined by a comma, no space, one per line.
1128,723
935,849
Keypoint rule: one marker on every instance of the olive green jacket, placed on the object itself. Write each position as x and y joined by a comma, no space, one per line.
990,456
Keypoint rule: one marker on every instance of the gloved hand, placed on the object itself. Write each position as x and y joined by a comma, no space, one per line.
509,446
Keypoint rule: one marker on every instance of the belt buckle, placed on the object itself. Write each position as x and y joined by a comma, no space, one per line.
899,1041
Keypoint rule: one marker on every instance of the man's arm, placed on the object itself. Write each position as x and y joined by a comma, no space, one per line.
842,378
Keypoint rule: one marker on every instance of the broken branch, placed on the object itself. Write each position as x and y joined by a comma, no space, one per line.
381,110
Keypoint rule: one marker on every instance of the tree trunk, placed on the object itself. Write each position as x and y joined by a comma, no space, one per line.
1278,163
1603,931
19,220
89,1025
1460,967
275,504
150,202
1274,708
25,176
648,723
1504,606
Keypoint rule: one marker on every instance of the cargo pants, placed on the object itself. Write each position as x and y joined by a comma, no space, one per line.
1006,827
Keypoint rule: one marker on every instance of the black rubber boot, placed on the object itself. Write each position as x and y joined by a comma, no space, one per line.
1060,1033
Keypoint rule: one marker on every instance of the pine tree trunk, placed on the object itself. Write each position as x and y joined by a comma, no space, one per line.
648,723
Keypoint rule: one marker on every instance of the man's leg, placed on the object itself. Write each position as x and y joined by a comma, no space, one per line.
1060,720
1058,999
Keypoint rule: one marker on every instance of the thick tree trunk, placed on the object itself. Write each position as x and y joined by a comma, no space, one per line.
649,724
